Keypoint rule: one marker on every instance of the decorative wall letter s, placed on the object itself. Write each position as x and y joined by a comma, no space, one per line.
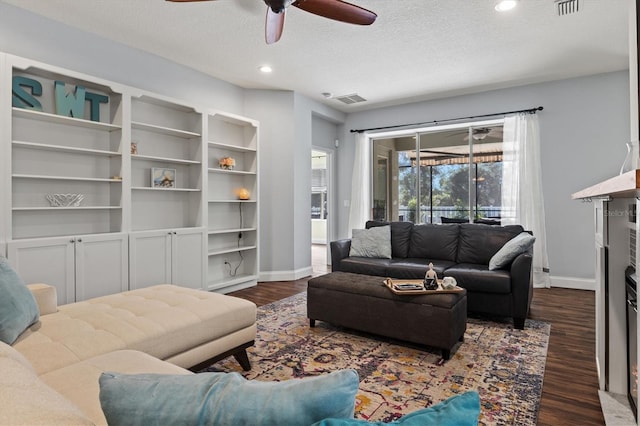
21,98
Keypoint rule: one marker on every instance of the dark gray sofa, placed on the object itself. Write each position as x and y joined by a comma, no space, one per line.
461,251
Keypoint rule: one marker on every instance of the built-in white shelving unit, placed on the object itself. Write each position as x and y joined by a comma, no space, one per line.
232,236
164,212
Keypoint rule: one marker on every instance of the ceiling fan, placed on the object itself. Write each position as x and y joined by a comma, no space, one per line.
337,10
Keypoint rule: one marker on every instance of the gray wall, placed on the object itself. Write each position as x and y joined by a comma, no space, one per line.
583,129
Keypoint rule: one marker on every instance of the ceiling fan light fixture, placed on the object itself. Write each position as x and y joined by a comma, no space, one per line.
266,69
506,5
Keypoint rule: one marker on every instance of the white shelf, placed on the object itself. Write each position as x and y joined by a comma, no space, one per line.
163,159
230,231
236,172
74,178
61,148
229,281
23,209
165,130
230,249
60,119
148,188
232,201
231,147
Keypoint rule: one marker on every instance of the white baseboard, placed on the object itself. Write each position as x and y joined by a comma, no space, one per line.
574,283
285,275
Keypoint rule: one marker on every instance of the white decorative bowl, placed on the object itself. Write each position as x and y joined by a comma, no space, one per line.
65,200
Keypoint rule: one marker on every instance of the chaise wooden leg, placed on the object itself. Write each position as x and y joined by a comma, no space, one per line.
518,323
446,354
243,359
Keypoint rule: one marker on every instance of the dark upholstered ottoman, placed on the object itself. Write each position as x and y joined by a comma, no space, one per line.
364,303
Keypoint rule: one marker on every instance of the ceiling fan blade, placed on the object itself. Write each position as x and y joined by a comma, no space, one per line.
274,25
338,10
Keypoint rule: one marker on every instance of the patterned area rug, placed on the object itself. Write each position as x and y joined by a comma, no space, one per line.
504,365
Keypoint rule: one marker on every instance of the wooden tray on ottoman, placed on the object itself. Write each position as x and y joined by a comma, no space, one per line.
393,283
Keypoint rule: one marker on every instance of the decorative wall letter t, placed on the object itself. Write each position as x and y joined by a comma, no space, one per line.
95,100
69,104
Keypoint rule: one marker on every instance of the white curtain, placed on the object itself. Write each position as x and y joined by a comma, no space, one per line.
360,183
522,201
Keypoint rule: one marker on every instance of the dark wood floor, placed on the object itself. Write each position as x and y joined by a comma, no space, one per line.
569,394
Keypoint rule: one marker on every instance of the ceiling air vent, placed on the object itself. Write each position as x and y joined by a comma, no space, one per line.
566,7
350,99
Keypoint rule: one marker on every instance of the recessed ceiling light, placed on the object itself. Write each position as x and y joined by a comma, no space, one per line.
266,69
505,5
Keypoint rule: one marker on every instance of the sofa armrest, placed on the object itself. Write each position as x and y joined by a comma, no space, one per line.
339,250
46,297
521,285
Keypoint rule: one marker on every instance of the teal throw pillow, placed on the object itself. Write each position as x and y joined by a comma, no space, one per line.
459,410
519,244
18,308
225,399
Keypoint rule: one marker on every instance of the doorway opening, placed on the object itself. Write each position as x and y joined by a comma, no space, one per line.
320,210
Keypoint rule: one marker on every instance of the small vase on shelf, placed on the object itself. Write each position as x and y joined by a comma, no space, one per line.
631,160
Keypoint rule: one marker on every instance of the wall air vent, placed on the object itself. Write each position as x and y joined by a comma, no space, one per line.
350,99
566,7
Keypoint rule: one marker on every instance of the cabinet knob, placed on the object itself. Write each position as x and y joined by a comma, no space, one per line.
79,240
72,240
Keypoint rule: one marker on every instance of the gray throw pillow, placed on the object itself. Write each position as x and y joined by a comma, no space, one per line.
373,242
512,248
18,308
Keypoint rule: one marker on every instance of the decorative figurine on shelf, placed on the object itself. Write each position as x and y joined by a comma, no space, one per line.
134,148
431,279
227,163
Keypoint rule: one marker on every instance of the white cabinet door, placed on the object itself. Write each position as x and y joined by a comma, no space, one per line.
78,267
101,265
46,260
150,258
188,258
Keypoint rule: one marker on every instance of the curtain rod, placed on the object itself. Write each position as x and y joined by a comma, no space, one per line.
530,111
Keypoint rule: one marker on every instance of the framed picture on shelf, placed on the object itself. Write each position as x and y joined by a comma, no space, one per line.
163,178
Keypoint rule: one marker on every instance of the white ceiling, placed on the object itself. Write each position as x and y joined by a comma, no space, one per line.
416,50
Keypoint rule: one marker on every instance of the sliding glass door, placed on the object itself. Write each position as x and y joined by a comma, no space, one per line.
442,176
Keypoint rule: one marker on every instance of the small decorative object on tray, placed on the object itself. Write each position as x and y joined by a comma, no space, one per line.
65,200
415,287
430,279
227,163
448,283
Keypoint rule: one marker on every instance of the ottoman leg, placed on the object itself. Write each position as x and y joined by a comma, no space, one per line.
446,354
312,322
518,323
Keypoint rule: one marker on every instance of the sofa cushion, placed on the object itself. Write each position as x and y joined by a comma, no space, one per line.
374,242
226,399
412,268
459,410
18,308
26,400
478,242
431,241
519,244
478,278
163,321
79,382
400,236
365,265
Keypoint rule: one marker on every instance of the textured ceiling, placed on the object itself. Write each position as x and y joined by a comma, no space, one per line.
416,50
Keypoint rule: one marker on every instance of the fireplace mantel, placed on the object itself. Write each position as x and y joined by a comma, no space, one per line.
626,185
617,245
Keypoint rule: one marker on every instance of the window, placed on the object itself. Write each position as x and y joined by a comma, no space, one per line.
443,175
